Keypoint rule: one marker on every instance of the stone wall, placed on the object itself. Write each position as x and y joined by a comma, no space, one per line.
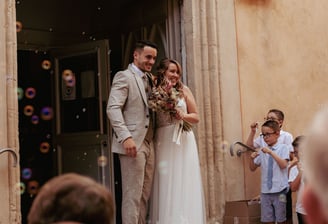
244,57
282,54
9,184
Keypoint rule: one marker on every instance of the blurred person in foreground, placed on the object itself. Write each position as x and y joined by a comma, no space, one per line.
315,160
72,198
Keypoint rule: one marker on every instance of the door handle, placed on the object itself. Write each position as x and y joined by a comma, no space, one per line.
12,152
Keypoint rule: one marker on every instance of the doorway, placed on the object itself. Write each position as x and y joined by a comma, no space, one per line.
63,124
63,51
81,88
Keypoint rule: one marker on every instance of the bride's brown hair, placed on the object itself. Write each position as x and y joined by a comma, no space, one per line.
162,68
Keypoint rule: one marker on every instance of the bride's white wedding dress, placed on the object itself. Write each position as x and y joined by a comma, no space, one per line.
177,196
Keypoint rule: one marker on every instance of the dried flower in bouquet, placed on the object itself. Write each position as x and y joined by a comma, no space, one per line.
165,98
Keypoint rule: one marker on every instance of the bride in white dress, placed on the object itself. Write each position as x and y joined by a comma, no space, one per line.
177,196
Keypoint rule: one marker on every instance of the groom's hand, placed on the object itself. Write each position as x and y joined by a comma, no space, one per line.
130,147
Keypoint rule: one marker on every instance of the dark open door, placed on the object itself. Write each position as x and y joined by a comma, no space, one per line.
82,133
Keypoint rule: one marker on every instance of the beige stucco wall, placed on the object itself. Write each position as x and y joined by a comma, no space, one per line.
282,60
244,57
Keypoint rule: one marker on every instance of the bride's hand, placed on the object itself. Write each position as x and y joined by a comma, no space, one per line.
180,114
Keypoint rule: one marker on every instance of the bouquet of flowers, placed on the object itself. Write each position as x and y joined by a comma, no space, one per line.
164,98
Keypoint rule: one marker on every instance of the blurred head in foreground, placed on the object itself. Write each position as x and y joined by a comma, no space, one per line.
72,198
315,159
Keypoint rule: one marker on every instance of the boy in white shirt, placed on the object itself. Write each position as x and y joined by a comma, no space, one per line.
273,161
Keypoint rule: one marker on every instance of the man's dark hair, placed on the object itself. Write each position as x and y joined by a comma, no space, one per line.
140,44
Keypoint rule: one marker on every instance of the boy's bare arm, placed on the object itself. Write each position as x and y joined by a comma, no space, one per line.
252,165
250,139
282,163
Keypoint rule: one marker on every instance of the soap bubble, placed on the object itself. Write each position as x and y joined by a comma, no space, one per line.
28,110
26,173
44,147
46,113
19,26
33,187
35,119
102,161
46,64
21,187
162,167
69,77
20,93
30,93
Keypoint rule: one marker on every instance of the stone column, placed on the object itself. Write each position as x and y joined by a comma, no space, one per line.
212,75
9,184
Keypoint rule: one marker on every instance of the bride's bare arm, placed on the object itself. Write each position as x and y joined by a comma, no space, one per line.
192,115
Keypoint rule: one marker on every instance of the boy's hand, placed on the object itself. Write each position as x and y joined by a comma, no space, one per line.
266,150
254,126
254,155
293,162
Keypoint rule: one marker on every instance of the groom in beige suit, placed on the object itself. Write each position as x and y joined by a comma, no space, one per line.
131,120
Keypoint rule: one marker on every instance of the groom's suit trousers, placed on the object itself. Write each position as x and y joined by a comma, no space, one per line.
137,177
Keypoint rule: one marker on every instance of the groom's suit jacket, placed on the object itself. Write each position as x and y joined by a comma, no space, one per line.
127,109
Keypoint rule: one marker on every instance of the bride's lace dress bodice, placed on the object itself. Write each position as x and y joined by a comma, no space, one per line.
164,119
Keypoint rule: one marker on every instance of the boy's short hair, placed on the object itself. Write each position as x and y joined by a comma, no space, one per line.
297,141
272,124
279,113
